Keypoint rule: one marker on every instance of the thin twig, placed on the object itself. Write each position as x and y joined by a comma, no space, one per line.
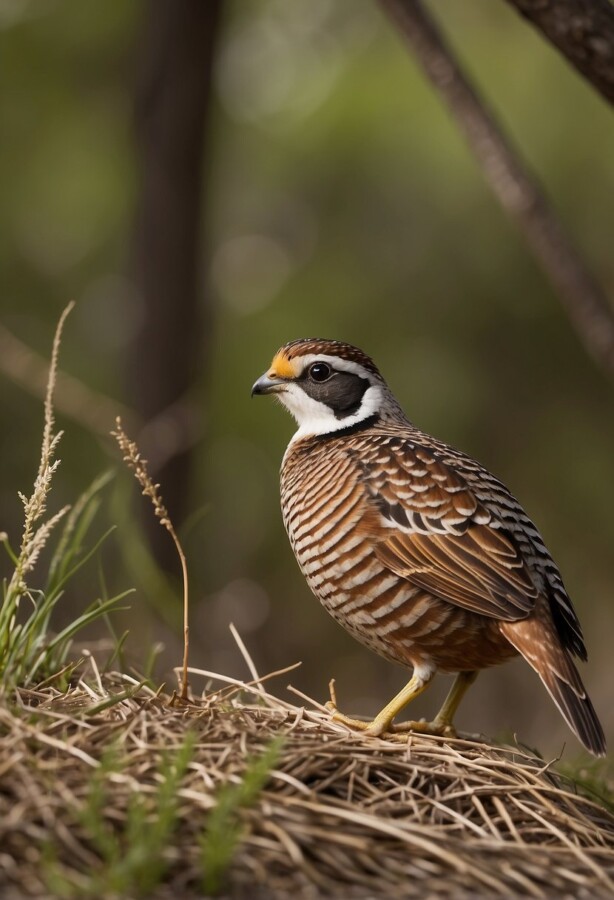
255,686
515,186
246,656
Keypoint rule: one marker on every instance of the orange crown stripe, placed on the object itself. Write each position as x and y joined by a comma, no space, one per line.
282,366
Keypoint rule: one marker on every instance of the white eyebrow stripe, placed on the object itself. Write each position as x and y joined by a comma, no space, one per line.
340,365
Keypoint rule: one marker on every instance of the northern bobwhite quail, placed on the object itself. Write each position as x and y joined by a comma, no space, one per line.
412,546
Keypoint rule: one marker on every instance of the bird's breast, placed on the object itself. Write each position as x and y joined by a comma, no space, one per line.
334,530
329,523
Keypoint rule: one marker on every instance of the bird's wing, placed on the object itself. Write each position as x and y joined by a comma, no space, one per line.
430,528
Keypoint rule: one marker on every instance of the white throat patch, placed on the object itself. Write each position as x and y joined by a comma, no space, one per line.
315,418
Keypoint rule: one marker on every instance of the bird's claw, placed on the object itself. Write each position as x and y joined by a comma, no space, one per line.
392,732
440,729
352,724
385,729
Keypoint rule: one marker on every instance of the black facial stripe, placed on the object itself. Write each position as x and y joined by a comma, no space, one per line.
342,393
349,429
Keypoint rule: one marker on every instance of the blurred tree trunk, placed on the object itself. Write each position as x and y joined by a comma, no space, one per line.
174,56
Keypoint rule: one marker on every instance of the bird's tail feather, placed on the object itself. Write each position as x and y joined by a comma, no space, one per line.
577,710
541,649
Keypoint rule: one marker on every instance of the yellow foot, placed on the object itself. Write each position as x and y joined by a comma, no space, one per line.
396,732
443,729
352,724
382,725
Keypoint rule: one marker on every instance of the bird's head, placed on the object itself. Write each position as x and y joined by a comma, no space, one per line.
328,386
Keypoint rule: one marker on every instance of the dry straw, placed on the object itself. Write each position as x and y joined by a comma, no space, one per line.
340,816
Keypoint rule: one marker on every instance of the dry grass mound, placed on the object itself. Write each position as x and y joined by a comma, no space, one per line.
336,815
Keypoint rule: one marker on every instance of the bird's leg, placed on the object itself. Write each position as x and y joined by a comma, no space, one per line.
383,720
462,683
442,723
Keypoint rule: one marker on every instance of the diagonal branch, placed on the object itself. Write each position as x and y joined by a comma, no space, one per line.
516,187
582,30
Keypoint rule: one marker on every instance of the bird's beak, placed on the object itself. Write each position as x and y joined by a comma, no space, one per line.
268,384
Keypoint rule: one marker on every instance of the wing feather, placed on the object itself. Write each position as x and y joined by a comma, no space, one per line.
446,566
433,530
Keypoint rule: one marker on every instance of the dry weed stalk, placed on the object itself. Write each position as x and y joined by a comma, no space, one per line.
28,649
132,457
34,539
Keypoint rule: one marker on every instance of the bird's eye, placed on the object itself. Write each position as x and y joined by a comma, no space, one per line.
320,372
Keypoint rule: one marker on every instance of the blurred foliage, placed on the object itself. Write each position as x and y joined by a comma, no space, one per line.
340,202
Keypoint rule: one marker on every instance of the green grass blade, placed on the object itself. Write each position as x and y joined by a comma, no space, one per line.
223,832
75,528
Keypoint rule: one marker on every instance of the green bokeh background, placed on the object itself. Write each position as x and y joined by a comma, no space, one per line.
340,201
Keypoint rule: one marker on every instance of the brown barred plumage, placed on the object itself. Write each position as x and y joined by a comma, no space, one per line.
412,546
